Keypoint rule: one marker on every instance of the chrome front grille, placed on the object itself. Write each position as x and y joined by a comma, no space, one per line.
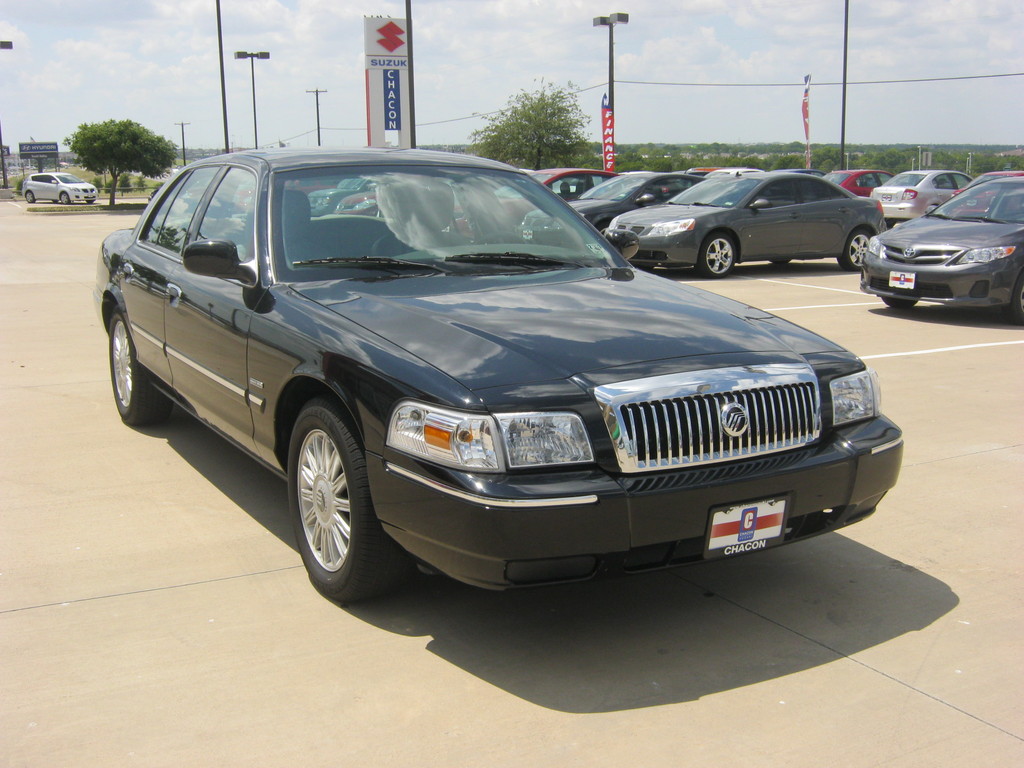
921,254
710,416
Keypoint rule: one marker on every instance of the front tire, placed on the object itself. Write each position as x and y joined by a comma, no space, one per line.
347,554
65,198
717,256
138,400
899,303
855,251
30,197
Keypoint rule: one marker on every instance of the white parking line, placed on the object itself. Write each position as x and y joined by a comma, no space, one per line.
941,349
804,285
827,306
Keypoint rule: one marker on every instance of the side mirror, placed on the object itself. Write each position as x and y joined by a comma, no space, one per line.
759,204
646,199
624,241
217,258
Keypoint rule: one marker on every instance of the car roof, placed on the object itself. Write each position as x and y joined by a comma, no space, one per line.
295,159
573,170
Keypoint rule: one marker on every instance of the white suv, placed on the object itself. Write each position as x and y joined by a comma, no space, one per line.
59,187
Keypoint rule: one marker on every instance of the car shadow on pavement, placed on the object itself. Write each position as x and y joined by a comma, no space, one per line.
627,642
762,270
937,314
672,636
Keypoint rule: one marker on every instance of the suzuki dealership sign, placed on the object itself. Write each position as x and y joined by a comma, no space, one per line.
385,44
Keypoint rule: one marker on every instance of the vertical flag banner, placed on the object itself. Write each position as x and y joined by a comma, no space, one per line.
607,135
806,109
387,82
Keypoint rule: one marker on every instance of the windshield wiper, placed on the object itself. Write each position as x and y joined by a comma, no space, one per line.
988,219
368,262
707,205
510,258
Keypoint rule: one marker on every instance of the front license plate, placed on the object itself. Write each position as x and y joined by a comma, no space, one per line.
746,527
902,280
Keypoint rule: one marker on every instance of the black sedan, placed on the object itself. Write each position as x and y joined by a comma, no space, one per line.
628,192
760,217
473,380
969,251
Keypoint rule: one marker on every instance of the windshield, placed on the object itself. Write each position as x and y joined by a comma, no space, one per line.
67,178
905,180
988,202
427,220
724,192
618,188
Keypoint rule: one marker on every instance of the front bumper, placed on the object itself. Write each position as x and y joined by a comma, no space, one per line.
502,531
674,251
974,285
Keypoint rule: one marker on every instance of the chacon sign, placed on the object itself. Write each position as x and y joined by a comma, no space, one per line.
386,48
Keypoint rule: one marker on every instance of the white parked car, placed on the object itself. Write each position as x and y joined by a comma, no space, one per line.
58,187
909,194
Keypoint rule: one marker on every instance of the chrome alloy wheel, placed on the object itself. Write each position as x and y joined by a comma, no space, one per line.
719,256
858,249
323,500
121,359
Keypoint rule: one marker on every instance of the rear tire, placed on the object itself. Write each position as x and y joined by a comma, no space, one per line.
138,400
30,197
855,250
899,303
347,554
717,256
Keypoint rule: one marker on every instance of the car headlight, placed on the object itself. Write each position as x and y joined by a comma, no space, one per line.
614,223
855,397
666,228
488,443
875,246
984,255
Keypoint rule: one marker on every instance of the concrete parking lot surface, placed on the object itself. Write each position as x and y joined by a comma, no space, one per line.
153,610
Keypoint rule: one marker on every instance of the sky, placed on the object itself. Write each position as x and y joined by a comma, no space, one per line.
686,71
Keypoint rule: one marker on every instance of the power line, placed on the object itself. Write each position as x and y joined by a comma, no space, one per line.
852,82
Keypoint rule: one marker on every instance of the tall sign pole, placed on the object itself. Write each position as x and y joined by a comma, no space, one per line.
388,105
608,103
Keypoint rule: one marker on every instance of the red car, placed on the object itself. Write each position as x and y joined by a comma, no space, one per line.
570,183
860,182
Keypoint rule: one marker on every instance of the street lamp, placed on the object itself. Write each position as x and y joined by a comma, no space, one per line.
317,91
183,160
5,45
252,71
610,22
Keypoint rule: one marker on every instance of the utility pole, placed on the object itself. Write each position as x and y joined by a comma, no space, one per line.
317,92
183,160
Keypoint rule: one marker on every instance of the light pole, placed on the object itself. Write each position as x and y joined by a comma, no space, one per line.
252,72
610,22
317,91
5,45
183,160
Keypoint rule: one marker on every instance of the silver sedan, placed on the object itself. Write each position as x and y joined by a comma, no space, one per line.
909,194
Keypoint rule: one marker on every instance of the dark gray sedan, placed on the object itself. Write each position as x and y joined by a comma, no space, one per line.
765,217
969,252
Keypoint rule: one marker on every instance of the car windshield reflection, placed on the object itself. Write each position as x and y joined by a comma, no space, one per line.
448,221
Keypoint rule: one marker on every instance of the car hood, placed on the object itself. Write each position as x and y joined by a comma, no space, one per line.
668,212
934,231
595,206
485,332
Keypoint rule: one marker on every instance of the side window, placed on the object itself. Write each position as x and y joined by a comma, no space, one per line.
870,180
944,181
569,186
230,214
169,224
811,191
779,193
666,188
961,181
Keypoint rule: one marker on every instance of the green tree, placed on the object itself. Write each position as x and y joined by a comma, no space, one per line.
121,146
543,129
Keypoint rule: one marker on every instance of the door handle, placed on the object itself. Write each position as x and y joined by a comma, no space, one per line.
173,294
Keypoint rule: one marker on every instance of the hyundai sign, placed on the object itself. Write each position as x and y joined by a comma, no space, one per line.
385,44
